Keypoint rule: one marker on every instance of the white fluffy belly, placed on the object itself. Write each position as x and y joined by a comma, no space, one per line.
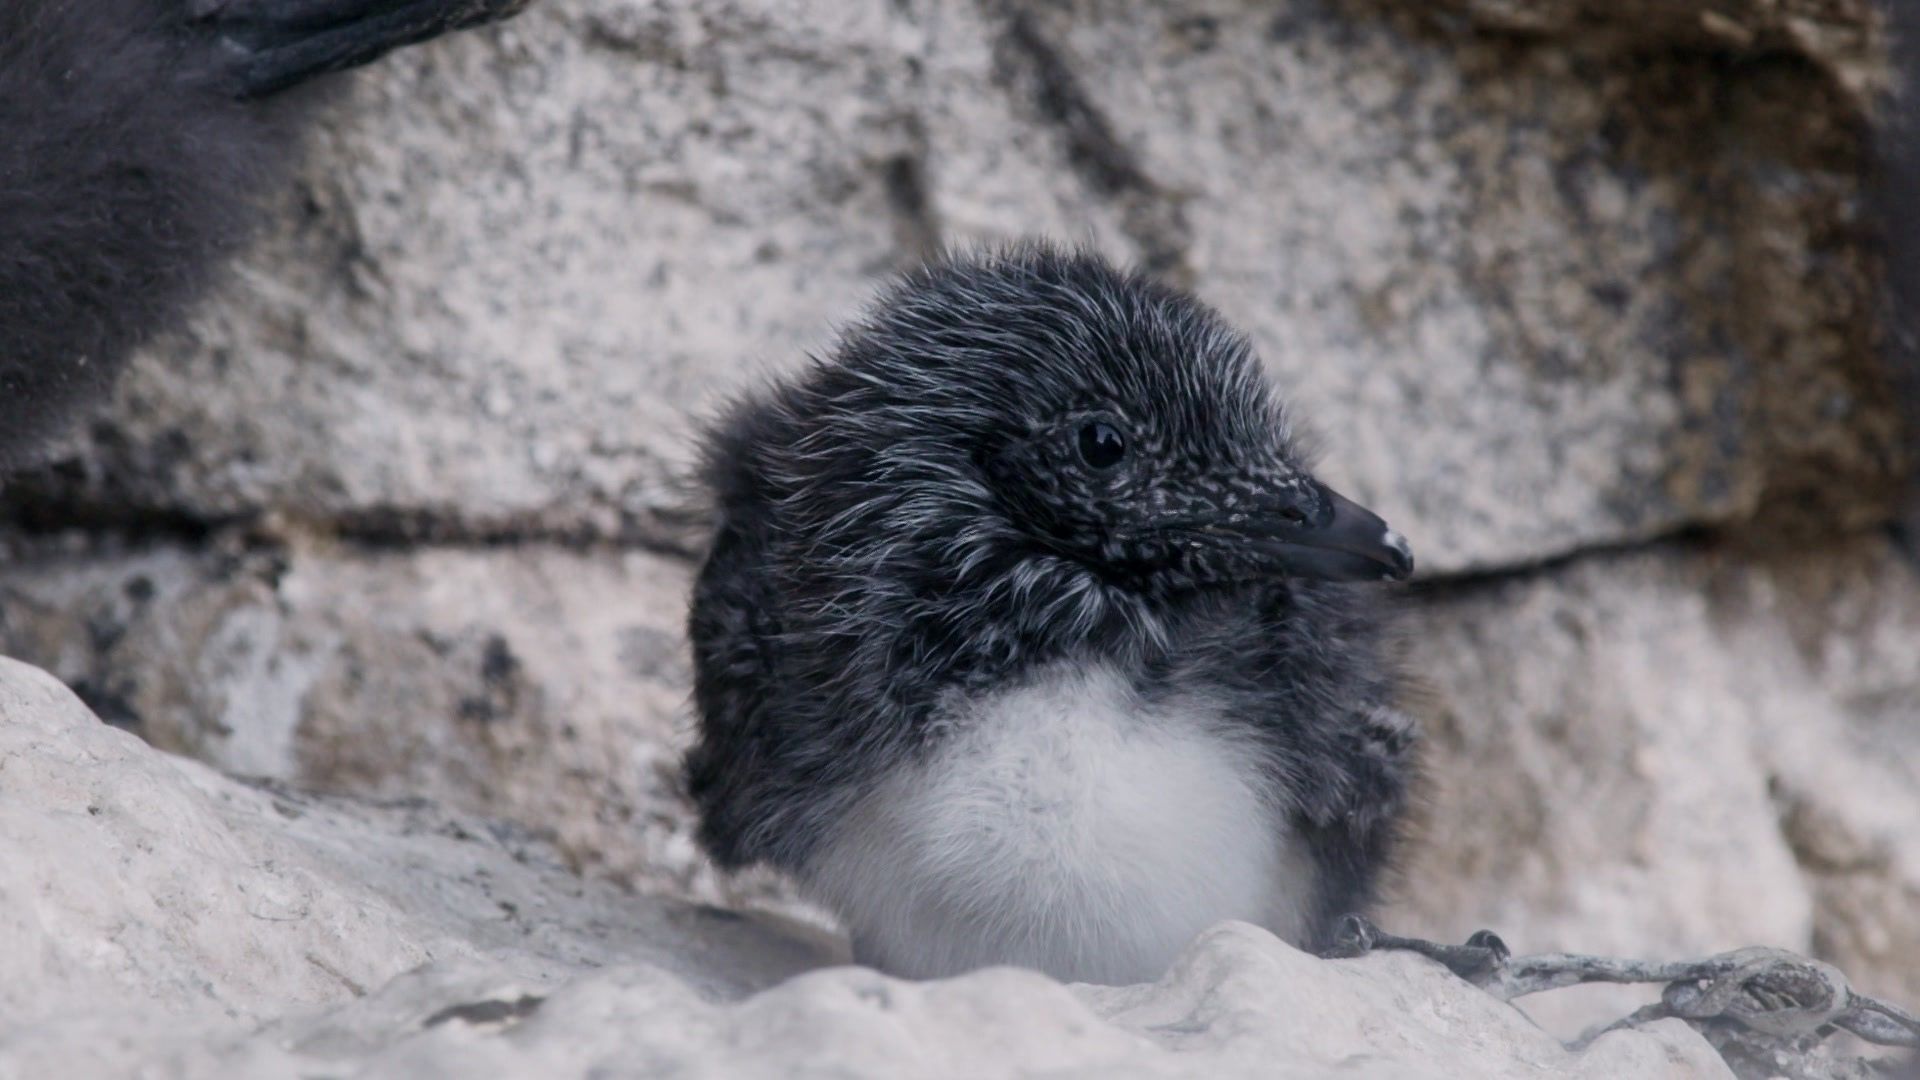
1063,825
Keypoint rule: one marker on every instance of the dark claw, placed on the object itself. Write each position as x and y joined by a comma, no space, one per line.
1490,941
1352,936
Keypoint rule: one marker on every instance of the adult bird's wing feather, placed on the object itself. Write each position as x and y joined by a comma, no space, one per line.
135,139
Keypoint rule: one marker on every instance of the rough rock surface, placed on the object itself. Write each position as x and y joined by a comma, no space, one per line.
1530,295
1843,37
155,914
1679,751
542,685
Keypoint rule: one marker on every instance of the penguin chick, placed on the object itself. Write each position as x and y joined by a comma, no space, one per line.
1026,635
135,138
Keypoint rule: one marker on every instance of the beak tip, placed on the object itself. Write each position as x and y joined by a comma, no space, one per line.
1402,565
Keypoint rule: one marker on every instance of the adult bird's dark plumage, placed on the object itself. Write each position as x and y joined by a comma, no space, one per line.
1027,636
135,139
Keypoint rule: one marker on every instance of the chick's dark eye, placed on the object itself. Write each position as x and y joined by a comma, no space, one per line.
1101,445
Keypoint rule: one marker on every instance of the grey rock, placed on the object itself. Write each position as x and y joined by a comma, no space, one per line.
533,683
148,896
163,919
1536,298
1843,39
1678,752
515,265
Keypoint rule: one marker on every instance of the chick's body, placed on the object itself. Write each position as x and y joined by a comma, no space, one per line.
1027,637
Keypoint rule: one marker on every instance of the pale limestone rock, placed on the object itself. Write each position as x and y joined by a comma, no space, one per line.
1536,298
161,918
1678,752
538,684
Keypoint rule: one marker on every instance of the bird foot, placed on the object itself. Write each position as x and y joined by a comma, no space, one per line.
275,44
1483,955
1748,1001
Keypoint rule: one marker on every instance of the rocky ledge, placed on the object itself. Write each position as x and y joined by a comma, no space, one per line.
160,918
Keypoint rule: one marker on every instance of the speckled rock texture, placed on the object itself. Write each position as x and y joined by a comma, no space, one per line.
542,685
1679,750
1846,38
161,919
1583,296
1531,295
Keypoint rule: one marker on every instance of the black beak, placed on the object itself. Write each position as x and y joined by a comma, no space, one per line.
1315,532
